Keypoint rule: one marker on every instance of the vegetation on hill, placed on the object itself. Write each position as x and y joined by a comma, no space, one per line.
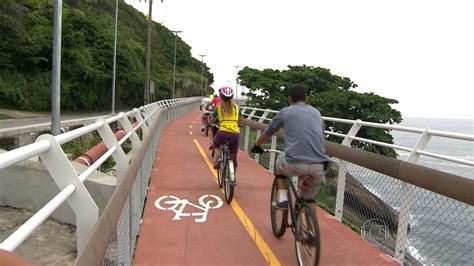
26,30
329,93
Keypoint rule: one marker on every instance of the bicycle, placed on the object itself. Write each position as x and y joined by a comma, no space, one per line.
226,172
208,125
303,221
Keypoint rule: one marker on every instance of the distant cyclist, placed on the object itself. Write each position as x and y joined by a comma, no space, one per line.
304,145
205,112
228,116
215,100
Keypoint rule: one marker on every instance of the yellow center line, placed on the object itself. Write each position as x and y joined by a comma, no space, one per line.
254,234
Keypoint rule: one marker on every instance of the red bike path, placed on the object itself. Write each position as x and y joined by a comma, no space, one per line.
235,234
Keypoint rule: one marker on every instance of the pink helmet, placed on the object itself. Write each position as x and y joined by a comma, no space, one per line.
226,91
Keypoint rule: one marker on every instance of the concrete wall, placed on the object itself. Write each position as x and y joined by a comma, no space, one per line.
29,185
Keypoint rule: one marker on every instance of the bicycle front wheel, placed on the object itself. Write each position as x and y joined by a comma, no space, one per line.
279,216
307,237
229,181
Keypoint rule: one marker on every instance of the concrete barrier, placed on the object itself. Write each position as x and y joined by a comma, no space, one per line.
29,186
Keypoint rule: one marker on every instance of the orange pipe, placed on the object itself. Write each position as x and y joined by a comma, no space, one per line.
92,155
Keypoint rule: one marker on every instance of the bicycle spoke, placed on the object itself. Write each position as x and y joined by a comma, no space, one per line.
278,216
307,239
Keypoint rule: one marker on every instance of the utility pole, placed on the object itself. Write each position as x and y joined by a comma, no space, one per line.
202,73
174,62
236,80
56,73
115,57
146,91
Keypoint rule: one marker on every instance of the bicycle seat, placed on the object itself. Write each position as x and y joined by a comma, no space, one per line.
303,186
305,176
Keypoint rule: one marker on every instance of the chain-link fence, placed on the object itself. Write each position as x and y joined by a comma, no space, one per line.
122,245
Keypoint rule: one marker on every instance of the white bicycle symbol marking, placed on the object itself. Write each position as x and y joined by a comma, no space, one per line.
177,205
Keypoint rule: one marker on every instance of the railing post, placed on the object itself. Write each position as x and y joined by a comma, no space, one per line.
247,132
128,127
341,177
121,159
139,118
63,174
262,118
271,165
406,196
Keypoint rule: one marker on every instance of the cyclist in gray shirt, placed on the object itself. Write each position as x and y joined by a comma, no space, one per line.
304,145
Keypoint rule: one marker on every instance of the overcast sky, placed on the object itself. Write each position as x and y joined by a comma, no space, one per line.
418,52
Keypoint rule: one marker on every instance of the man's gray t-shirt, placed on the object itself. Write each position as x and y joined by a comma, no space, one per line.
304,135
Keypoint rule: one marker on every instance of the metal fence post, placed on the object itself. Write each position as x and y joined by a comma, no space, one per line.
247,132
341,177
262,118
271,165
81,202
139,118
128,127
406,196
110,141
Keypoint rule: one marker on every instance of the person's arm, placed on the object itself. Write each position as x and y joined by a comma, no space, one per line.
264,137
240,119
214,116
275,124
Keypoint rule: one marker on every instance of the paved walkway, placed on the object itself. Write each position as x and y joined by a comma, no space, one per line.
236,234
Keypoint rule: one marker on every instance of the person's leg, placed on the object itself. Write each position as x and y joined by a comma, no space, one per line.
313,183
203,122
212,133
282,194
234,145
216,143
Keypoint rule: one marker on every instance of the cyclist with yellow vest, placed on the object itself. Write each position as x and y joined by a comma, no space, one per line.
228,115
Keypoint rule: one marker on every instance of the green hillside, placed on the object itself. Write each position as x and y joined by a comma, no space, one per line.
26,30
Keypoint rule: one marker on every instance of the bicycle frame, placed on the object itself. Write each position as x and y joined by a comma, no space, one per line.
292,207
226,156
304,223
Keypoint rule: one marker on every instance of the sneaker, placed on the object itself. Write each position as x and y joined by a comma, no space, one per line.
202,129
217,164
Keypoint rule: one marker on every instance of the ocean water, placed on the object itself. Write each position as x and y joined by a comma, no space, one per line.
441,229
457,148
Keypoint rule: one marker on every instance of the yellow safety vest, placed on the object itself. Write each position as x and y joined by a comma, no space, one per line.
228,122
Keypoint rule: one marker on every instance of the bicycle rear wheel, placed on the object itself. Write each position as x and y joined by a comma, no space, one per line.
228,182
221,173
278,216
307,237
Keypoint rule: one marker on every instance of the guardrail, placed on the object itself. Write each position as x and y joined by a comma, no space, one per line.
143,137
370,190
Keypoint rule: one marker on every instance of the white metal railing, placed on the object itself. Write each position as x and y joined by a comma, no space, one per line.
48,148
406,192
262,118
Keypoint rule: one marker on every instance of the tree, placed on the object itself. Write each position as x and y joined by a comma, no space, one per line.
26,30
329,93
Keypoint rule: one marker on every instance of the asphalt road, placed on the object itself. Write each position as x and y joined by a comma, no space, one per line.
39,119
